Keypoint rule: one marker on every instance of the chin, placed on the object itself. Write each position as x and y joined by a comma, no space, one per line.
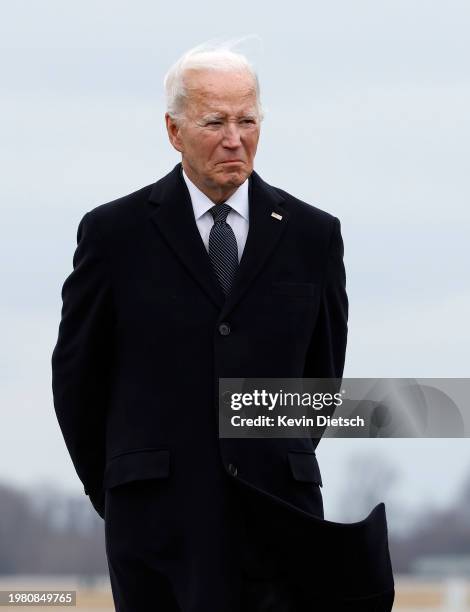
234,178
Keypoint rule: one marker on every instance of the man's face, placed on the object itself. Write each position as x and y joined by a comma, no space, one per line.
219,134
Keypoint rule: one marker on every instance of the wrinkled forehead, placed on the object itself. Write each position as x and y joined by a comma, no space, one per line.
210,90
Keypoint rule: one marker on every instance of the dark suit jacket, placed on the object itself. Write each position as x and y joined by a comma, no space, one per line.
141,348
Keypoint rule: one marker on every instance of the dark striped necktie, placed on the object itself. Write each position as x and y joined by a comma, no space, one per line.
223,250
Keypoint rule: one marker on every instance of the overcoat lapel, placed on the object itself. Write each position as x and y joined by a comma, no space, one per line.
173,216
263,236
174,219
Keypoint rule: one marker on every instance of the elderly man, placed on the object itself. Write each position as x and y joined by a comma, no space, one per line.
209,273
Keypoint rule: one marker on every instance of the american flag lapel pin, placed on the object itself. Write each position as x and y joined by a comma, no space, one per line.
276,216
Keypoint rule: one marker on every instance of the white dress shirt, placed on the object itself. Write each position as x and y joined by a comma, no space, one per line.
237,218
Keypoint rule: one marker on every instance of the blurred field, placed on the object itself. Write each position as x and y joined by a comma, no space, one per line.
412,595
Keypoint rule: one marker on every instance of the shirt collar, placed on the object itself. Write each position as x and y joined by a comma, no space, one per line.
238,201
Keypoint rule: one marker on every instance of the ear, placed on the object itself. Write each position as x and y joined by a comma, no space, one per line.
173,133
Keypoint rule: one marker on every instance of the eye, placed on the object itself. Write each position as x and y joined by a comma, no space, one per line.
214,123
249,121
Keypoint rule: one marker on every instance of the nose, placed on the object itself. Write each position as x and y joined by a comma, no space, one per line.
231,138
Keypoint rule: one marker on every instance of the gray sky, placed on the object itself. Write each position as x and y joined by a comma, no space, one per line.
367,117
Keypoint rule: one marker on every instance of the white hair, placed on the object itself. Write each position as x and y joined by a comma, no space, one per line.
217,56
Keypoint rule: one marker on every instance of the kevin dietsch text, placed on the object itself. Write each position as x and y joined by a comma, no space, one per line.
282,420
272,401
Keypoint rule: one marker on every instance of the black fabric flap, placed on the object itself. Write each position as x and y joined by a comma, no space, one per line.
289,288
137,465
304,466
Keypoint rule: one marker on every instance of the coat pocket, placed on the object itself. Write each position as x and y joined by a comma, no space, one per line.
295,289
141,464
304,467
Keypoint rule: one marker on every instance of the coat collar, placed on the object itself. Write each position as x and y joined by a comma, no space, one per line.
172,214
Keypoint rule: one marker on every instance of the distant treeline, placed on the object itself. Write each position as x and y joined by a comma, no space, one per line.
414,534
444,533
45,531
48,532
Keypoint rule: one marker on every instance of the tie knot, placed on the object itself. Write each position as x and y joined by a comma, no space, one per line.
220,212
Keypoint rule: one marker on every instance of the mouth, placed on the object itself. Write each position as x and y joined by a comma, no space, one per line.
232,161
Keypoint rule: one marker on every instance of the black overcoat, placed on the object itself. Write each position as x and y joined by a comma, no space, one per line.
146,333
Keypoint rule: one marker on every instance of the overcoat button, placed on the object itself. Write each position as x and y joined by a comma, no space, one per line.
224,329
232,469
